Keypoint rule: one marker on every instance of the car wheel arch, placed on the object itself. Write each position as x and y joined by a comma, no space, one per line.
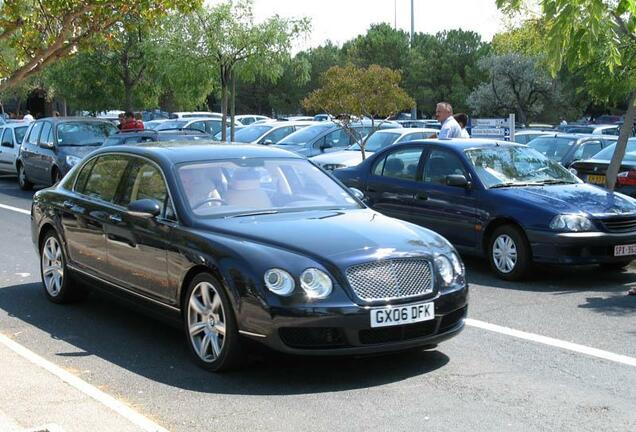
493,225
194,272
44,230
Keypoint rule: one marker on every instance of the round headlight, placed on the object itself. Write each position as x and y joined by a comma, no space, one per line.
457,263
316,283
279,282
445,268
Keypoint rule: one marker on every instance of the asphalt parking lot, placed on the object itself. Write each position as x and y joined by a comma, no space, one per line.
583,378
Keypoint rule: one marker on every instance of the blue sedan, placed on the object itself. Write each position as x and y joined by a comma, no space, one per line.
500,200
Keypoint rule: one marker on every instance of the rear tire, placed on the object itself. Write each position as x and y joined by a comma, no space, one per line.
23,181
59,285
509,253
210,327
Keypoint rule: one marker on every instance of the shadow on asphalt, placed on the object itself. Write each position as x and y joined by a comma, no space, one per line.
9,186
109,329
556,279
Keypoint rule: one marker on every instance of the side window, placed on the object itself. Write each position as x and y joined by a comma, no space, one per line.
34,133
279,134
80,183
611,131
199,125
7,138
46,135
337,138
402,164
213,127
441,163
379,166
105,177
587,150
145,182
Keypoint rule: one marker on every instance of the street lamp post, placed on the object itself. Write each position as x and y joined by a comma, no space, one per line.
414,109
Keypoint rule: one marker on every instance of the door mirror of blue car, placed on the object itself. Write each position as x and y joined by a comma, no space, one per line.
457,180
46,145
357,193
144,208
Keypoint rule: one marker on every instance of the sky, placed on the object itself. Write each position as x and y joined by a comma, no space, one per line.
341,20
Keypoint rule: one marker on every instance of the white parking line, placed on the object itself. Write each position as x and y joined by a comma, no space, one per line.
15,209
606,355
120,408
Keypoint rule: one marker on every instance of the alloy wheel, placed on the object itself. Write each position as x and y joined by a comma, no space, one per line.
206,322
52,263
504,253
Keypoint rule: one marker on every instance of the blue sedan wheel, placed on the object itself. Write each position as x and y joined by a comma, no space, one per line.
509,253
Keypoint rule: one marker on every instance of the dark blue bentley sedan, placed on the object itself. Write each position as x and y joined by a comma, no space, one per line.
246,242
505,201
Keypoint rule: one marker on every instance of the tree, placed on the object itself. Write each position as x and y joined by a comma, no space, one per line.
351,92
516,84
35,34
227,37
600,36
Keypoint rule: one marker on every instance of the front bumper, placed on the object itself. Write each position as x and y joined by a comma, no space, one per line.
578,248
346,330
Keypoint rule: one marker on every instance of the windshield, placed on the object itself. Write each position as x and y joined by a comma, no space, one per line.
80,133
607,153
377,141
510,166
172,124
19,133
247,186
250,133
553,148
305,135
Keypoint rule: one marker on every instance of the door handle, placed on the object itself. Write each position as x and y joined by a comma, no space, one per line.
421,196
115,218
68,204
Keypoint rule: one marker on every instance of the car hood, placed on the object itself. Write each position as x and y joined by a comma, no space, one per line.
574,198
334,233
298,149
79,151
345,157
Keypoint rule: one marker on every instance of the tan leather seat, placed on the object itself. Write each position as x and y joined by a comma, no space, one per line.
245,190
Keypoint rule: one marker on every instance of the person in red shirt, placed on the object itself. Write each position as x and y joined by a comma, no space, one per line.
139,123
129,123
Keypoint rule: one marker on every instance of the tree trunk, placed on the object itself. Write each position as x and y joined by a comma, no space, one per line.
621,144
128,94
224,84
233,107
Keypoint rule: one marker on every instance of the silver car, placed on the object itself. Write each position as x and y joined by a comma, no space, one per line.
11,135
269,132
352,156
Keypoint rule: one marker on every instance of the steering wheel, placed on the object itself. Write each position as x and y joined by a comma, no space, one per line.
208,201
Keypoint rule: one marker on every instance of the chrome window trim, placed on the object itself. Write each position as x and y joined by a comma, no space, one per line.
116,206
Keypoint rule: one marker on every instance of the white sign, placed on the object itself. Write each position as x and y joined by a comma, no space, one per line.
490,123
488,132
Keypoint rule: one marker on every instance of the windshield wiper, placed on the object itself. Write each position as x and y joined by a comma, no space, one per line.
510,184
555,181
254,213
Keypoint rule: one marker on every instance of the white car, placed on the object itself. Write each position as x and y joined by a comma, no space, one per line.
11,135
527,135
352,156
248,119
204,124
269,132
191,114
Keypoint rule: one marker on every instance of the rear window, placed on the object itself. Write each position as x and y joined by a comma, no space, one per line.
306,135
553,148
607,153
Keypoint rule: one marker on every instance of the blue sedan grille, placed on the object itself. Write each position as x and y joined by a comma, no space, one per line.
619,225
391,279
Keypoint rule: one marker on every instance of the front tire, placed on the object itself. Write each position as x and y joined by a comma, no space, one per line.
509,253
59,285
23,181
210,326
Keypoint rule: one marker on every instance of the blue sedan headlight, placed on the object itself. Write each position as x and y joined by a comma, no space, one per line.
570,222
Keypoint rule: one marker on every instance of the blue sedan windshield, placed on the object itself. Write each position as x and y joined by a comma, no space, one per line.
503,166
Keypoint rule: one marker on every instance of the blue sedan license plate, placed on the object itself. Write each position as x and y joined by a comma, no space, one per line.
400,315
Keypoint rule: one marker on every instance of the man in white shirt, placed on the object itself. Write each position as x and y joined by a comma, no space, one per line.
450,127
28,117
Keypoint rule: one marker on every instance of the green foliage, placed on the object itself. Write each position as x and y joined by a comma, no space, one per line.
516,84
39,33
